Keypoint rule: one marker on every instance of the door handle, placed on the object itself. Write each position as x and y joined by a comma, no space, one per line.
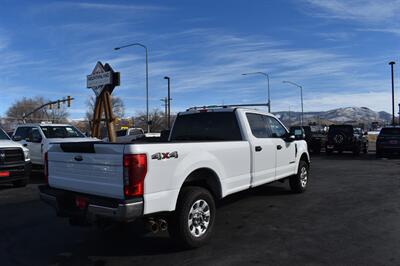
279,147
258,148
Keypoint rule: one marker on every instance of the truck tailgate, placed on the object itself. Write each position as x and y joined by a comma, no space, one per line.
91,168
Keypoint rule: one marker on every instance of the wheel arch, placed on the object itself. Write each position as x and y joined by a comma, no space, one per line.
206,178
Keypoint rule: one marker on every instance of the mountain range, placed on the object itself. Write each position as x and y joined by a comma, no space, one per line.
349,115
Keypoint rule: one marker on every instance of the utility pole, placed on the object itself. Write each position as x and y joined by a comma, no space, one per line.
269,93
147,78
169,102
301,98
165,100
392,70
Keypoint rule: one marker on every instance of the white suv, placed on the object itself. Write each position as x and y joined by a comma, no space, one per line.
38,137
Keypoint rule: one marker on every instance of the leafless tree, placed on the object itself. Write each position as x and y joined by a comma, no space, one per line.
157,118
118,107
27,105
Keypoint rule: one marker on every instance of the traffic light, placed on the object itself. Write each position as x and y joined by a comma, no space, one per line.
50,106
69,101
58,104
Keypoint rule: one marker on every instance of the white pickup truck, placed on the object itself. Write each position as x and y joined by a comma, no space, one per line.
128,135
38,137
210,154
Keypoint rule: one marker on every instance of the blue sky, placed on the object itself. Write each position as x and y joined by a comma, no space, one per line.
338,50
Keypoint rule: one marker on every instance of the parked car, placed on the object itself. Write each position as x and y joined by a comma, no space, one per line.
345,138
314,140
210,154
38,137
388,142
15,164
128,135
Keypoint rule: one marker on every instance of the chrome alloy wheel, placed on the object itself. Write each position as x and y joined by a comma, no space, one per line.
199,218
303,176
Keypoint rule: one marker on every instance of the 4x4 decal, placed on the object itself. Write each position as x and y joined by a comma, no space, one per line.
164,155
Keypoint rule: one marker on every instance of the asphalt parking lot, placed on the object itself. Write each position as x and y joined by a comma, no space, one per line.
349,215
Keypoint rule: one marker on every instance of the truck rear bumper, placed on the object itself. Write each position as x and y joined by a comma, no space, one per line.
97,207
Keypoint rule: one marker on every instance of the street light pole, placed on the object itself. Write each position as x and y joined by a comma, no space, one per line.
301,96
392,70
267,76
147,78
169,101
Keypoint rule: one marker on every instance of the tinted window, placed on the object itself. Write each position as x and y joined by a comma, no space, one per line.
121,133
344,128
3,135
61,132
258,125
207,126
390,131
23,132
34,134
135,131
278,131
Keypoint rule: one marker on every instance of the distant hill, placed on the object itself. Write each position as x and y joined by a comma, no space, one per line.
350,115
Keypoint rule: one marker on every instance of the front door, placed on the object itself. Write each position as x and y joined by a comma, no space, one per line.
262,150
285,151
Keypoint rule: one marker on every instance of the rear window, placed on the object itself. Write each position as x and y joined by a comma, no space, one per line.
344,128
390,131
52,132
207,126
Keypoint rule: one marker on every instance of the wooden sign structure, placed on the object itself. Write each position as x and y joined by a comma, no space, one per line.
102,81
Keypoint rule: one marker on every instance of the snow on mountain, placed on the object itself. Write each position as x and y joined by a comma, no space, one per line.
351,115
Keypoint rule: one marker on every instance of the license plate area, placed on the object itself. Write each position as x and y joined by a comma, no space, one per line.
393,142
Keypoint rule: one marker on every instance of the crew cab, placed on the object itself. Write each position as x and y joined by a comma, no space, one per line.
37,138
15,165
210,154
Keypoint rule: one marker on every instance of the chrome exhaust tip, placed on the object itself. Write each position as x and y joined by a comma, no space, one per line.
153,226
163,224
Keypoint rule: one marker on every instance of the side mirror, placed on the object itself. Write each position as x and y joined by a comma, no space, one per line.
290,137
16,138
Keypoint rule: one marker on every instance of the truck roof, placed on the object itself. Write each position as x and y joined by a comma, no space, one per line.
44,124
225,108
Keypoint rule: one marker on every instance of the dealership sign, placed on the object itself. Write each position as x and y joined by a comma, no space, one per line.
102,77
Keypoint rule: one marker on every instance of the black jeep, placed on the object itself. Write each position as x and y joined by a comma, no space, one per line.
313,139
345,138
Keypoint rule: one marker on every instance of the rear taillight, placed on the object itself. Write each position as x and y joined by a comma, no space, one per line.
46,167
135,170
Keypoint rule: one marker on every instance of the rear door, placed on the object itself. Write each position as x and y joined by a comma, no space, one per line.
262,149
285,151
85,167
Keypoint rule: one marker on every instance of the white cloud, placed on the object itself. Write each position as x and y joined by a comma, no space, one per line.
358,10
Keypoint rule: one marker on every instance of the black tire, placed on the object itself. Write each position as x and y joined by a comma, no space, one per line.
365,149
295,181
378,154
20,183
328,151
178,226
